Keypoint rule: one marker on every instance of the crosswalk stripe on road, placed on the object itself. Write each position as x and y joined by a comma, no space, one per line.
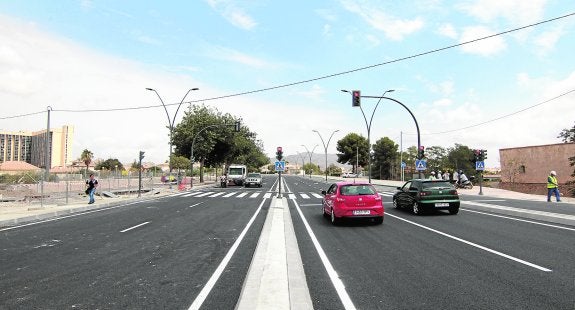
252,194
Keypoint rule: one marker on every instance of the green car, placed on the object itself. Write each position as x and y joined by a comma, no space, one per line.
422,195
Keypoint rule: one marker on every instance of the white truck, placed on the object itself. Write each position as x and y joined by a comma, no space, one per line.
237,174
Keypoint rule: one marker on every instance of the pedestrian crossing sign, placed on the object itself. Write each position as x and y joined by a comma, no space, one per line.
480,165
280,166
420,165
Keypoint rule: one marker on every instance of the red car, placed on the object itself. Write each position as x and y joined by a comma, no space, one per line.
352,200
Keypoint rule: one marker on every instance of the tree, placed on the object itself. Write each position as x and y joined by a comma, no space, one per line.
437,158
385,155
110,164
568,135
460,157
334,170
311,168
86,157
353,150
180,162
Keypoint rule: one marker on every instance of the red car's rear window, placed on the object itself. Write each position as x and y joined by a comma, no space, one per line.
354,190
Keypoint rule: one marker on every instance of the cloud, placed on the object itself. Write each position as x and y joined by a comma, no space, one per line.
546,41
393,27
236,16
228,54
484,47
447,30
516,12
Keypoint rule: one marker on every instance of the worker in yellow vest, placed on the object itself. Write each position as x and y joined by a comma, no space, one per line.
552,186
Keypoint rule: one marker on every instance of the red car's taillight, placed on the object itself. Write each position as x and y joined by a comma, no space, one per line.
377,198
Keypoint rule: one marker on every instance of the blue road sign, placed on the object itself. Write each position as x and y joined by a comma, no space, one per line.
420,165
403,165
280,166
480,165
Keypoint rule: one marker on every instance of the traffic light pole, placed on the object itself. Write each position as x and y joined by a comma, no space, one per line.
279,184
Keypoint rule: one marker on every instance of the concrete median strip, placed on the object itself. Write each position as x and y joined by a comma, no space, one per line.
276,279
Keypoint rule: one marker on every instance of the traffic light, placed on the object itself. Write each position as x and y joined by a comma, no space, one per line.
483,154
421,152
477,154
279,153
237,126
141,155
356,98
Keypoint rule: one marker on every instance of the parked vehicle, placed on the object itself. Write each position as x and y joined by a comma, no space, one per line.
254,179
422,195
237,174
352,200
349,175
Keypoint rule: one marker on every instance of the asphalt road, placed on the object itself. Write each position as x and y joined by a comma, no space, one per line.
195,249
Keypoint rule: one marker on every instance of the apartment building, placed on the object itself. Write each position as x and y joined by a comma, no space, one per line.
30,147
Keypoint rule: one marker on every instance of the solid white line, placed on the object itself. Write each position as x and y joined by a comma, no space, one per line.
199,203
316,195
229,195
292,196
543,213
473,244
216,275
217,194
519,220
333,276
134,227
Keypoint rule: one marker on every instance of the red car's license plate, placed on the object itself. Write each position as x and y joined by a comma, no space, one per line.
361,212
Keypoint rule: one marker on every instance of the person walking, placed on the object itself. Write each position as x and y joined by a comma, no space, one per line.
446,175
91,184
553,186
432,176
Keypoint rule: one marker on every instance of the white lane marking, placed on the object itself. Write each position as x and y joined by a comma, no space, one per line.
218,272
204,194
217,194
199,203
242,195
489,200
178,194
267,195
134,227
543,213
304,195
192,194
229,195
292,196
316,195
386,194
519,220
310,204
333,276
473,244
71,215
254,195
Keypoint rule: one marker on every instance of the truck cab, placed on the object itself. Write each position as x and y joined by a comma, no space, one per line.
237,174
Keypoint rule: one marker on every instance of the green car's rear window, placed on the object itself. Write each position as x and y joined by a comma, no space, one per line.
352,190
441,184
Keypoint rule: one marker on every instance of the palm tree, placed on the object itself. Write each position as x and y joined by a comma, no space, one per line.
86,157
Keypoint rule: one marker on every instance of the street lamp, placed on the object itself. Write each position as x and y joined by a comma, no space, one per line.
325,146
369,128
302,161
408,110
171,122
310,155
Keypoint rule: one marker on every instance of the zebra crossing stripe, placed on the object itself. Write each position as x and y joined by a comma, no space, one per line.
217,194
229,195
291,196
304,195
204,194
254,195
316,195
242,195
267,195
386,194
191,194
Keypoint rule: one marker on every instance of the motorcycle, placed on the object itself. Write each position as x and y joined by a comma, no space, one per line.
466,185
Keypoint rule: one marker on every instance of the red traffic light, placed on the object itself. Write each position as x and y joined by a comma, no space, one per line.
422,147
279,149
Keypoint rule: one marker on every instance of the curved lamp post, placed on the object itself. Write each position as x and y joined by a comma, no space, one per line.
171,121
408,110
325,146
368,125
301,156
310,154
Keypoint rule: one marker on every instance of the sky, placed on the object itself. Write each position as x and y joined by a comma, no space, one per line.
281,66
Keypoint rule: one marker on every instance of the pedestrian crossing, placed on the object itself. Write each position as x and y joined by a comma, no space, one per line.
252,194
